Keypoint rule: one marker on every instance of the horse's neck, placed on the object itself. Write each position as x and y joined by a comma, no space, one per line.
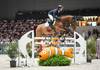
67,18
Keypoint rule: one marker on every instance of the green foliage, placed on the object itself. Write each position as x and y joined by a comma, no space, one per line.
91,47
55,61
29,50
12,50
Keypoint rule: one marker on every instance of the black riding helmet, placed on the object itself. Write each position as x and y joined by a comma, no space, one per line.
60,6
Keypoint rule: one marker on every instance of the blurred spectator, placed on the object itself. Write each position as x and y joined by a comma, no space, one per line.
12,30
89,33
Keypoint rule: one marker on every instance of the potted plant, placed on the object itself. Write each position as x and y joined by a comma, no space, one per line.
12,52
91,49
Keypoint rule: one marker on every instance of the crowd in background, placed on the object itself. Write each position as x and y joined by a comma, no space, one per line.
13,30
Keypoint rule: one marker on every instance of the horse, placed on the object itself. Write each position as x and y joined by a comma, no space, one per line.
60,26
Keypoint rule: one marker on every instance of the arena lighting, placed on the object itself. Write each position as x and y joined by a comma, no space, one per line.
94,24
89,17
83,24
89,23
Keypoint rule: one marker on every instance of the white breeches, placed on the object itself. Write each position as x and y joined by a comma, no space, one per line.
51,17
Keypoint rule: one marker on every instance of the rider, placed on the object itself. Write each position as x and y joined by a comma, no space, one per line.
53,15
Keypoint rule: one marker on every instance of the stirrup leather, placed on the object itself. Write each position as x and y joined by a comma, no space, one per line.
54,22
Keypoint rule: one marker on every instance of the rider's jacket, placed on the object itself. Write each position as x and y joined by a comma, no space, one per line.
54,13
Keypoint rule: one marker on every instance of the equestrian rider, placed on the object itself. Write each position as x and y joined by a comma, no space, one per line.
53,16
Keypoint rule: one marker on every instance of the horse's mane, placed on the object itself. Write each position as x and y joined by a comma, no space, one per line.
67,18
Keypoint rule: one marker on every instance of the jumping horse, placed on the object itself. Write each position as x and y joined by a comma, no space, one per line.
64,25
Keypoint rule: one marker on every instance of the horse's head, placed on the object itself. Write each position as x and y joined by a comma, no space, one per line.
64,20
66,24
67,19
61,24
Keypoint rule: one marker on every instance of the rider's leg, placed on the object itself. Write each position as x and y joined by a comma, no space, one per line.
51,17
51,21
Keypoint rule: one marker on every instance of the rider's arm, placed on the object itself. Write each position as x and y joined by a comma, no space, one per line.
55,14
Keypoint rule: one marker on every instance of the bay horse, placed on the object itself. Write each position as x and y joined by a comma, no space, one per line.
60,26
